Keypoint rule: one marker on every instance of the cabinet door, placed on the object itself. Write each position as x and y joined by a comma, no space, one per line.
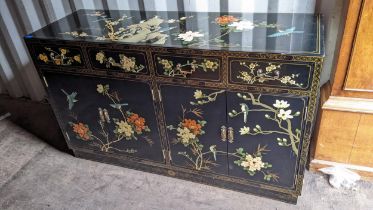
115,116
265,137
194,117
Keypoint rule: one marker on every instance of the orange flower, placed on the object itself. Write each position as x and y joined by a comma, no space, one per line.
137,121
193,126
82,131
225,20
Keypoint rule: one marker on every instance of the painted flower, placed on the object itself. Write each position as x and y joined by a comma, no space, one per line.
192,125
82,131
185,135
245,76
284,115
198,94
225,20
63,51
124,128
285,79
171,21
242,25
100,56
189,36
209,64
77,58
166,64
253,65
281,104
83,34
271,67
137,121
252,163
100,88
43,57
244,130
57,61
127,63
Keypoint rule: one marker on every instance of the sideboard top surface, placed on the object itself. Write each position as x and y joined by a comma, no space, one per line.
248,32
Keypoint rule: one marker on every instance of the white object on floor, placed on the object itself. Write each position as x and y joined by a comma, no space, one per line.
341,177
5,116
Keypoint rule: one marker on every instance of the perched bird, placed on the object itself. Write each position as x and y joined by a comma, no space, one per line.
118,106
70,98
285,32
245,111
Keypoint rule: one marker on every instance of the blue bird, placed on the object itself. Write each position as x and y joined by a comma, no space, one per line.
285,32
118,106
70,98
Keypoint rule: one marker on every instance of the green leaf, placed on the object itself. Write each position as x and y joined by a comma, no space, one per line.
240,151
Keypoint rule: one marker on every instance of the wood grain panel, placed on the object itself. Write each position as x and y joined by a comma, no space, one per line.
362,151
361,66
336,135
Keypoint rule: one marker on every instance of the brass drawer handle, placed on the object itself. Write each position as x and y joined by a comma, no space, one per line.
230,135
223,133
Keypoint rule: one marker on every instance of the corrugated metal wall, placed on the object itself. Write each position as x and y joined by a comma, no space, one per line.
18,76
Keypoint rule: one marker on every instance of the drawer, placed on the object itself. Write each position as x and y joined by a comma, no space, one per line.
124,61
61,56
282,74
188,67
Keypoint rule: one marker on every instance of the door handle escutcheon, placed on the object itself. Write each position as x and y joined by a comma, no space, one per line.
230,135
223,133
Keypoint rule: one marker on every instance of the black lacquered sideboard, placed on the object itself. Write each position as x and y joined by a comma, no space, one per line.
227,100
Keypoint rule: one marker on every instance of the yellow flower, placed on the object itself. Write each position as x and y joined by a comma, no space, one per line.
198,94
43,57
77,58
271,67
100,56
166,64
127,63
209,64
252,164
63,51
124,128
185,135
253,65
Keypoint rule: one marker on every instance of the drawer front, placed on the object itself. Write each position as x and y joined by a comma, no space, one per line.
125,61
58,56
206,68
284,74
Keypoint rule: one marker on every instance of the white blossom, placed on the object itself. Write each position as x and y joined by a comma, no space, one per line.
189,35
284,115
242,25
281,104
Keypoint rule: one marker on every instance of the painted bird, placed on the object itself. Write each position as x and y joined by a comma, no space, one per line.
285,32
245,111
118,106
70,98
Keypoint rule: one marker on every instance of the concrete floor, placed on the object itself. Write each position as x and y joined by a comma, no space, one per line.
34,175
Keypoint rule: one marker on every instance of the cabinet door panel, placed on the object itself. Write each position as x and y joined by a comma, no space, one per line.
115,116
267,137
194,117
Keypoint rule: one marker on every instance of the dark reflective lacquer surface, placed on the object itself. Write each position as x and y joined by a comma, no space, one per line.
259,32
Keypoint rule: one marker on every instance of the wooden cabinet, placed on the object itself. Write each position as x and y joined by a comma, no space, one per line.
161,96
344,134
